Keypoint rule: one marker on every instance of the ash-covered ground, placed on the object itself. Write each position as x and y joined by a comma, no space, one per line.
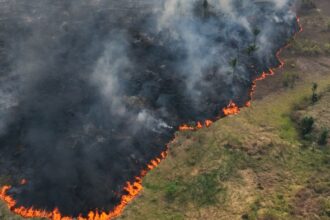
92,90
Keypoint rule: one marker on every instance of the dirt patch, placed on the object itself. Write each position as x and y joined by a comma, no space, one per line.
306,204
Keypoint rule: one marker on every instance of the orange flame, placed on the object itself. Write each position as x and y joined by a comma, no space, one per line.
207,123
231,109
186,127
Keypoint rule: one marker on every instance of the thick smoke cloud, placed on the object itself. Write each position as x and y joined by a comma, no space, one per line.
92,90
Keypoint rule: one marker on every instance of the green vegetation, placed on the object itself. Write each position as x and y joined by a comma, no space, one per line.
327,45
306,126
290,79
203,190
307,47
233,63
251,49
315,97
327,24
323,139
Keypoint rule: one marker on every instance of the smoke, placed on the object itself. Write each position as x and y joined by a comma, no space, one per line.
92,90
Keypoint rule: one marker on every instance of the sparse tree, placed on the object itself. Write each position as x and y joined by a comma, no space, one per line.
256,32
251,49
289,79
205,8
323,139
233,64
205,4
314,93
306,126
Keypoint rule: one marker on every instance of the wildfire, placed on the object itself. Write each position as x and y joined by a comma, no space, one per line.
185,127
271,71
133,188
208,123
231,109
199,125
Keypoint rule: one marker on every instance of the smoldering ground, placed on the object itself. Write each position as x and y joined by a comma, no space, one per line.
92,90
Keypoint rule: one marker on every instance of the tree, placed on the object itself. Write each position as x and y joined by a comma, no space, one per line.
314,93
306,126
323,139
251,49
289,79
205,4
256,32
205,8
233,64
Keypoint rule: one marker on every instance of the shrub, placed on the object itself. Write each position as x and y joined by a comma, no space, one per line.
325,207
327,45
251,49
307,47
323,138
327,25
290,80
171,191
306,126
315,97
203,189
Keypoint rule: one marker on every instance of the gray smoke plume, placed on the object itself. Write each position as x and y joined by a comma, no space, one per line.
92,90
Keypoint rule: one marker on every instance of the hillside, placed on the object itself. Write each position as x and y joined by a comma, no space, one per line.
268,161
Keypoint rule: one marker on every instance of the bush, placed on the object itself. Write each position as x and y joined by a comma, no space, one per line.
327,45
325,207
171,191
323,139
306,126
203,190
290,80
315,97
307,47
327,25
251,49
